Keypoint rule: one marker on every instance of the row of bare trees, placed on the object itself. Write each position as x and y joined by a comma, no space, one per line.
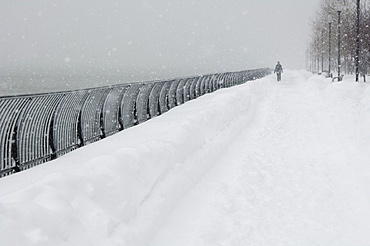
324,43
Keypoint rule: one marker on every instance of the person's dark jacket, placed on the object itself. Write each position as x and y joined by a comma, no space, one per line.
278,68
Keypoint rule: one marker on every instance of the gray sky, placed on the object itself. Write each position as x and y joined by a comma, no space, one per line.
154,37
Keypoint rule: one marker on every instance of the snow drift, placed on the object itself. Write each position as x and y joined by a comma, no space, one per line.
123,189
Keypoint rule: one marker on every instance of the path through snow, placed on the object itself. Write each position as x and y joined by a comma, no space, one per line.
284,181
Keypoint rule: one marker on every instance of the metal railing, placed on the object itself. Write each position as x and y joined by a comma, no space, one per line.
38,128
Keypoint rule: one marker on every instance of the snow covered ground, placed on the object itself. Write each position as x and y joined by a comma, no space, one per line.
263,163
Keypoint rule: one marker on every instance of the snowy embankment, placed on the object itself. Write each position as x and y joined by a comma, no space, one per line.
121,189
261,163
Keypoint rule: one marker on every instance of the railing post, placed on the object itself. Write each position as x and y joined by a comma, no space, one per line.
14,150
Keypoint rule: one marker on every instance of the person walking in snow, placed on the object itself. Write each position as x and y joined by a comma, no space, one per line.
278,70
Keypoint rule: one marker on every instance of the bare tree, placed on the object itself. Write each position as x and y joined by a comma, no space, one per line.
319,44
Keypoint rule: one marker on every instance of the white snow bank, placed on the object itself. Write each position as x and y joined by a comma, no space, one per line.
350,116
121,189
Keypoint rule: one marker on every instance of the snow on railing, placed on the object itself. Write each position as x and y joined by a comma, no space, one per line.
38,128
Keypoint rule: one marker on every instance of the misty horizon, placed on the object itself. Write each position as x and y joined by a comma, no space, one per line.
149,40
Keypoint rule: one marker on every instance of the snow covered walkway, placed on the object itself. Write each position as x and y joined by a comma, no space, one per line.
263,163
284,181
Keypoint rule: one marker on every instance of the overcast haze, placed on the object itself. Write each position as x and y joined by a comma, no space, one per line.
149,39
